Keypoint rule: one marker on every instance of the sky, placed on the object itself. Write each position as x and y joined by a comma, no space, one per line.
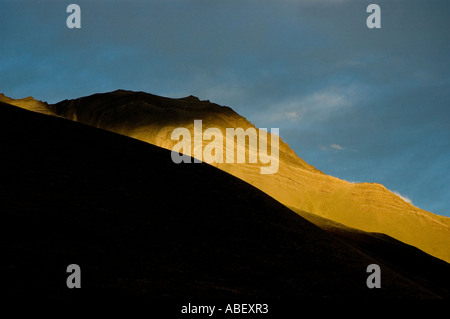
364,105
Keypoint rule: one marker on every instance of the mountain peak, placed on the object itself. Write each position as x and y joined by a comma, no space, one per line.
191,97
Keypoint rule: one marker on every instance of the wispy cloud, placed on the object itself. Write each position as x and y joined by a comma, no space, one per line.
336,147
331,147
317,106
291,115
405,198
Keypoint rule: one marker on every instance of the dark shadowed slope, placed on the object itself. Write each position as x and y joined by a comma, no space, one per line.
139,225
390,252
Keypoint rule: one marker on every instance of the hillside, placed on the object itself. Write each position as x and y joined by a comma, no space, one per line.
365,206
141,226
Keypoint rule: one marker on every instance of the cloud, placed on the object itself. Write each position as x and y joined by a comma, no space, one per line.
291,115
317,106
336,147
327,100
405,198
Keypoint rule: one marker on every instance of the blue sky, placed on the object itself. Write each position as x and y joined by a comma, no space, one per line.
364,105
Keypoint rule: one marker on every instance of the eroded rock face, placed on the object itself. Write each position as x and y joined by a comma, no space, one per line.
298,185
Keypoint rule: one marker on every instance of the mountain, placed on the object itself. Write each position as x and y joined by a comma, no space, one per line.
28,103
368,207
141,226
